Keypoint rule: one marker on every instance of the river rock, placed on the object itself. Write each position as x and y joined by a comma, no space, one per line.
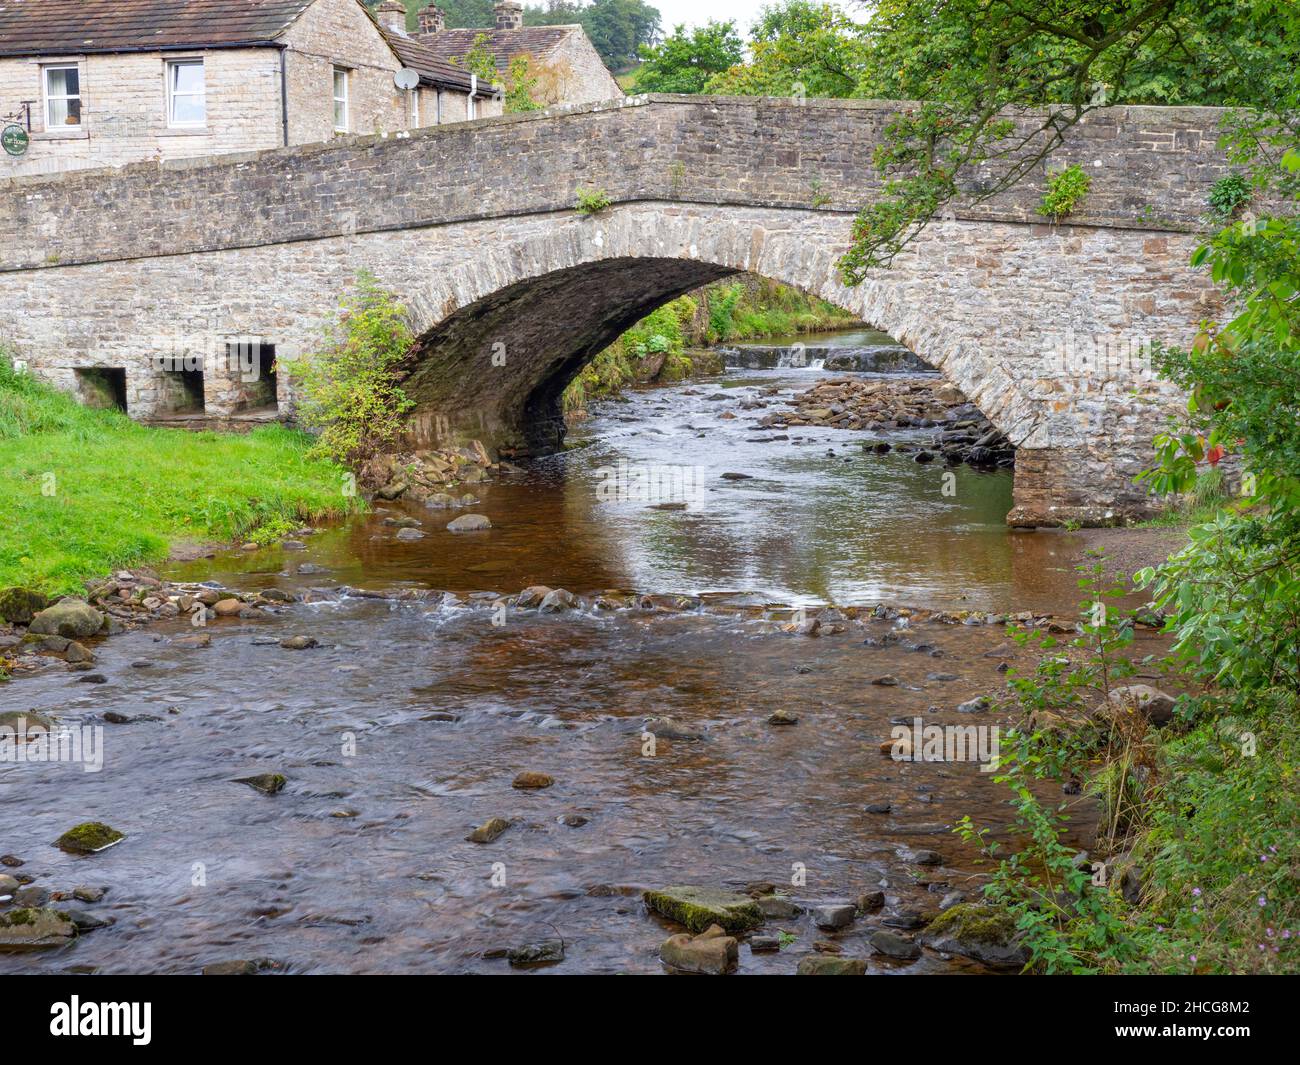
530,779
89,894
28,928
557,601
409,534
830,965
90,837
266,783
8,885
532,597
712,952
979,705
871,902
77,653
19,606
833,917
239,967
887,681
228,608
986,933
488,830
699,907
25,724
298,643
764,944
469,523
669,728
1157,706
783,717
778,907
72,618
201,639
547,951
893,946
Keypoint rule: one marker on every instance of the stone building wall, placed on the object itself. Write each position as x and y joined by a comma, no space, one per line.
124,110
574,73
334,33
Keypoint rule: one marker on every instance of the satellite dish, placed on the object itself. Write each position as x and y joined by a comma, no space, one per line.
406,78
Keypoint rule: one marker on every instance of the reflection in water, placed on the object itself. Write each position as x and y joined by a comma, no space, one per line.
361,865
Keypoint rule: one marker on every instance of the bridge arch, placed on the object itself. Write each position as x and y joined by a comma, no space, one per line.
500,337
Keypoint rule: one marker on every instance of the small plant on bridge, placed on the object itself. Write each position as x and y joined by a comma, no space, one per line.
350,397
1227,196
592,201
1065,191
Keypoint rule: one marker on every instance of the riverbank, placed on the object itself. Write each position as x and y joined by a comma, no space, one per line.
88,491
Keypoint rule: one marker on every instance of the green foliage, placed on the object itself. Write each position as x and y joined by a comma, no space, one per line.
480,59
686,61
972,63
1065,191
88,491
1068,923
350,396
521,87
1227,196
592,201
799,49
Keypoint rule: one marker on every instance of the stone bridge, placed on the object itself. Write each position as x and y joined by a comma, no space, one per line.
511,291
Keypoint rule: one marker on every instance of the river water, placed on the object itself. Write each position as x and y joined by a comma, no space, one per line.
361,865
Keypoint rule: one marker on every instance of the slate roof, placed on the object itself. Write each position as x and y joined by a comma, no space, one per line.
80,27
503,44
433,69
85,27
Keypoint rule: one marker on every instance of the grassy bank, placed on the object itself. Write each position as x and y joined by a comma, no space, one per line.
86,491
659,345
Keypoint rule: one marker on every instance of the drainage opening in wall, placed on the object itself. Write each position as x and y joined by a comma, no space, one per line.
102,387
180,392
253,365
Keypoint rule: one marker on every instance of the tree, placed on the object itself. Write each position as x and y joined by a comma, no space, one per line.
800,48
685,63
974,64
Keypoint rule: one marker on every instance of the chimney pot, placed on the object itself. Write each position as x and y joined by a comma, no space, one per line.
510,15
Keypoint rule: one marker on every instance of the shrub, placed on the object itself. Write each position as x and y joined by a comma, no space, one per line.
592,201
1227,196
1065,191
349,391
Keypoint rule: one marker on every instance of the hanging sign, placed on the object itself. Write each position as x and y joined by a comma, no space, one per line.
14,139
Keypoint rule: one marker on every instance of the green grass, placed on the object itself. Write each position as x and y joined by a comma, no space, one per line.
85,491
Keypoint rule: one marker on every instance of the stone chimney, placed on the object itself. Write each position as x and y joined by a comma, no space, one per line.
510,15
392,16
432,20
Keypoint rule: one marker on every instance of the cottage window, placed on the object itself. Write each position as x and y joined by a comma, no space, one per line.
187,103
62,97
340,100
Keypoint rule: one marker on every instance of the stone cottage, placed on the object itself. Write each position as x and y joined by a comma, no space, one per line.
88,83
565,63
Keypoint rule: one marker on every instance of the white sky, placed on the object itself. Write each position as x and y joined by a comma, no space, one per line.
698,12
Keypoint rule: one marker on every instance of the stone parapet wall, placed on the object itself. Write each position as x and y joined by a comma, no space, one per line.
1150,168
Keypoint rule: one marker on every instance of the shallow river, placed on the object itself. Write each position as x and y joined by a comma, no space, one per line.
361,865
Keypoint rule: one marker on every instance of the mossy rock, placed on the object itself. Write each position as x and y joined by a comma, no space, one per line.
699,907
68,617
29,928
19,605
986,933
25,724
88,838
266,783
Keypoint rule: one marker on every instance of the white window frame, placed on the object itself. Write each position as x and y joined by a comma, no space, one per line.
49,98
345,99
169,75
